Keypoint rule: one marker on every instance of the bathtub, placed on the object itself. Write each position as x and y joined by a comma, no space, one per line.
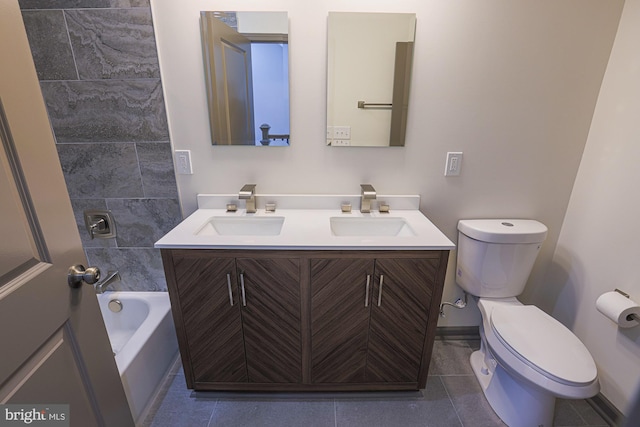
144,343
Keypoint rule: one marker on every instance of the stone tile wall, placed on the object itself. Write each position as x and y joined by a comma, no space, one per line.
98,69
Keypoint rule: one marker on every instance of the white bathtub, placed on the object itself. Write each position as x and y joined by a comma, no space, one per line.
144,342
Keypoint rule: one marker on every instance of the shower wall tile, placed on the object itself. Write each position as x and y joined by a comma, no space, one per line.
100,170
98,68
106,110
141,222
81,4
140,268
49,42
113,43
81,205
156,166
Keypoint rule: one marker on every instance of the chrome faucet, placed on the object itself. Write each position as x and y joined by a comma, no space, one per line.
248,193
112,277
368,194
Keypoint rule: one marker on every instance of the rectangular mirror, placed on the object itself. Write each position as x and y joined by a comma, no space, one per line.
246,59
369,62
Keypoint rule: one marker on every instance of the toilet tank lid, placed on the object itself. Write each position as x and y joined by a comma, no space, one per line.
503,230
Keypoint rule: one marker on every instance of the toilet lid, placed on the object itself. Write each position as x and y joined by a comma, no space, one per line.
543,343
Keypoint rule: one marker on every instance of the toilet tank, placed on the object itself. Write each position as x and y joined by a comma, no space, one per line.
495,256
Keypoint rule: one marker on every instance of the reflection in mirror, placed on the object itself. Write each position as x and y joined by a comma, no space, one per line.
246,60
368,75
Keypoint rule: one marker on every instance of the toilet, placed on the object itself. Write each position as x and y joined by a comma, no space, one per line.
527,358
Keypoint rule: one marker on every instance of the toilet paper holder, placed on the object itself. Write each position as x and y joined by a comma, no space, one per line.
631,316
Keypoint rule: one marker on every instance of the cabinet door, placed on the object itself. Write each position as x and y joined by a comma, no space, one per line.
271,318
211,319
400,308
339,319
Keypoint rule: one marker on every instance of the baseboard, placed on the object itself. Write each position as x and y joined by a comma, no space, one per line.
606,410
457,333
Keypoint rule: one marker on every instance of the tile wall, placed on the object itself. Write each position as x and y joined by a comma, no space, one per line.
98,69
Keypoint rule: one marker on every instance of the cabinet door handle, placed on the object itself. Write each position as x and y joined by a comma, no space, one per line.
229,287
380,291
366,295
244,298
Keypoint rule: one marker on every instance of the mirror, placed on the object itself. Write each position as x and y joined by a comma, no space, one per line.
368,74
246,59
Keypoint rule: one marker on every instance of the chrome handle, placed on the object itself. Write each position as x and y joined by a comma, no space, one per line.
244,298
380,291
366,295
229,287
77,274
112,277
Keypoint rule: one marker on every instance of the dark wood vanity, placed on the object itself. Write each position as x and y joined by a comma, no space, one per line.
305,320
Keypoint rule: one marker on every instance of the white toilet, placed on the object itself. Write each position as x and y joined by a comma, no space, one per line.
526,358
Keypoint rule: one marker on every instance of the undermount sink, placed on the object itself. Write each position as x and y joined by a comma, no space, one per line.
361,226
242,226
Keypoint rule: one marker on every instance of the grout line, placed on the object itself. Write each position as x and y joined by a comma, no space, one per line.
335,413
213,411
455,409
73,54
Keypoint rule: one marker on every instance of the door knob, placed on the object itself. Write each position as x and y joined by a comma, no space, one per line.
78,274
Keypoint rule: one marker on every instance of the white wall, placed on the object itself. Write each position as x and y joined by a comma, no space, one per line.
511,84
598,247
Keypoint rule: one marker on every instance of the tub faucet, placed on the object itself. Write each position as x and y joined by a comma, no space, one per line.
112,277
248,193
368,194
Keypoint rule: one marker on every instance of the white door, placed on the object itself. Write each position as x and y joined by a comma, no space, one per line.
53,343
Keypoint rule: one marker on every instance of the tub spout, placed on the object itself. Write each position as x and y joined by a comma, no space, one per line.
112,277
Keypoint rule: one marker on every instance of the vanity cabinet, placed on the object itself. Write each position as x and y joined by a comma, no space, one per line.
309,319
237,318
369,318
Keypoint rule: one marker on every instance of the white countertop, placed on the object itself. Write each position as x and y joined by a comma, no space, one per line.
305,229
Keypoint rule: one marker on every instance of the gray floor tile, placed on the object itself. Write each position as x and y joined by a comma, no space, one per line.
586,415
474,344
449,400
566,415
434,408
277,413
450,358
469,401
180,409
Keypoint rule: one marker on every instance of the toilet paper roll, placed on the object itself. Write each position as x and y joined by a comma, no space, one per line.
619,308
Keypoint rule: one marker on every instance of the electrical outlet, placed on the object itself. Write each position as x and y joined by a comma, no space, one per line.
341,143
342,132
183,162
454,163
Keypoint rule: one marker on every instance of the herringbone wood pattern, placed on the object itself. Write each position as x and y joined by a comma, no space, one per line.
271,319
398,325
339,319
213,327
354,343
305,325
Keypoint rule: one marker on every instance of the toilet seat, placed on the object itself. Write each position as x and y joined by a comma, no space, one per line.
543,343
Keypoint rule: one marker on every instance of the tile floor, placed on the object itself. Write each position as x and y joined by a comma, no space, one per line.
451,398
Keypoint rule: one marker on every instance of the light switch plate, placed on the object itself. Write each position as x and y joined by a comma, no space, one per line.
183,162
454,163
